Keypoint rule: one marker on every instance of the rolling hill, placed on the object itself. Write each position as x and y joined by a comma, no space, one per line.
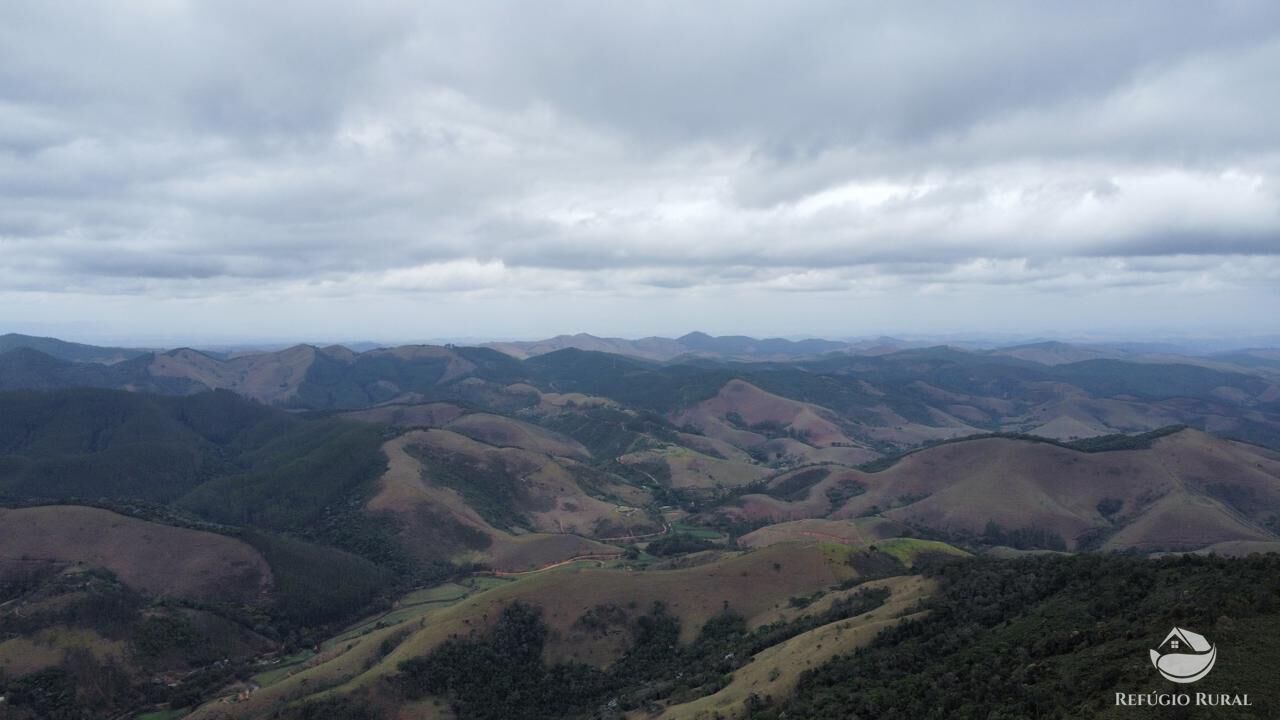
596,617
879,403
117,613
1186,491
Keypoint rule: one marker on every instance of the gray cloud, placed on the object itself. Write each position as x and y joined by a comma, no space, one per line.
309,151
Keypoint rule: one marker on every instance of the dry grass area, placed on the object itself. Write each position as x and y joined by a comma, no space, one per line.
1075,415
1180,521
888,426
269,377
692,469
46,648
522,553
862,531
437,523
506,432
409,416
756,584
793,452
810,530
818,425
149,557
550,403
714,448
775,671
1188,491
751,583
348,655
1062,411
815,502
274,377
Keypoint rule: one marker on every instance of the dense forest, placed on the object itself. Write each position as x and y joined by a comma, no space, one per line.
1056,637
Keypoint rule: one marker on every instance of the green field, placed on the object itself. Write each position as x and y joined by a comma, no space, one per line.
908,549
161,715
697,531
282,670
417,603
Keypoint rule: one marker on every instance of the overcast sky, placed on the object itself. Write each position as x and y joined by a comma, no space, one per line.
175,171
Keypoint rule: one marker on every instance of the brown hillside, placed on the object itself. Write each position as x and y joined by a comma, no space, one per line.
507,432
775,671
437,523
269,377
818,426
149,557
749,583
691,469
1188,491
757,584
408,416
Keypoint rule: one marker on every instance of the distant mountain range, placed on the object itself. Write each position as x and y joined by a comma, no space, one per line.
695,344
63,350
748,349
877,396
726,347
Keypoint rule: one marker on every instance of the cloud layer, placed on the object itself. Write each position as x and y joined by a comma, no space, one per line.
314,153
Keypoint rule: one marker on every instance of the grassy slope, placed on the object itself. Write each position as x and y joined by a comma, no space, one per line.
774,672
149,557
1213,490
438,523
749,582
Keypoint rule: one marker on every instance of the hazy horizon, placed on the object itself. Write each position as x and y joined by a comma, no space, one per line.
1191,344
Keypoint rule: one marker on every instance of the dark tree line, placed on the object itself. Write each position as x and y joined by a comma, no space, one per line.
1054,637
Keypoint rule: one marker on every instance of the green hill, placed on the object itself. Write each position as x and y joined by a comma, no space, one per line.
221,456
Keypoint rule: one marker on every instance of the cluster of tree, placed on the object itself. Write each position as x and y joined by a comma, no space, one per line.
1026,538
1101,443
501,674
91,599
678,544
840,492
796,485
1055,637
489,486
314,585
609,432
289,481
79,688
208,646
215,454
290,485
